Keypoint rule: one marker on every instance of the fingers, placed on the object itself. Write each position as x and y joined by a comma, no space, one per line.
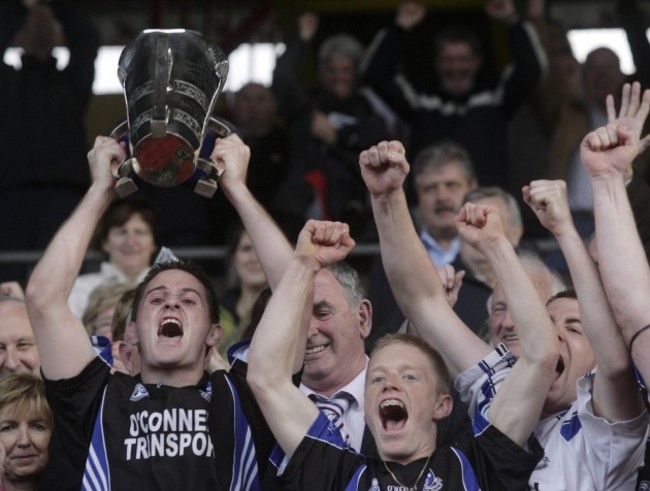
329,233
473,214
384,153
611,108
625,101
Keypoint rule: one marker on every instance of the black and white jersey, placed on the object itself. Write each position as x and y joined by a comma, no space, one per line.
123,434
486,461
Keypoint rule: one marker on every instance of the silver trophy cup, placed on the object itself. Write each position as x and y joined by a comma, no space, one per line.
171,80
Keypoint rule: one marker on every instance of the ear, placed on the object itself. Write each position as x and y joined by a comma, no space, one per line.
442,407
365,318
130,334
214,335
124,354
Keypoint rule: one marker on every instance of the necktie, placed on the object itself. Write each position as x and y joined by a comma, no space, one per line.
334,408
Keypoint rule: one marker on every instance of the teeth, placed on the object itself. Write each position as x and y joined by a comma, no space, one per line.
391,402
172,321
315,349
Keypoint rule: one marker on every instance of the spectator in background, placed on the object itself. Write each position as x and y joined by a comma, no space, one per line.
466,104
329,124
270,177
246,281
480,277
127,235
26,424
102,302
43,170
442,175
500,326
18,352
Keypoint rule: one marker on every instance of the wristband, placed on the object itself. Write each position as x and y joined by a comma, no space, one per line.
636,334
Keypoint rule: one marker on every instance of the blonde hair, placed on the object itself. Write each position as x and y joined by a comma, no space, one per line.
26,394
102,298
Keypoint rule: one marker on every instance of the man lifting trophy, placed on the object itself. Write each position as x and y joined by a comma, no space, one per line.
171,79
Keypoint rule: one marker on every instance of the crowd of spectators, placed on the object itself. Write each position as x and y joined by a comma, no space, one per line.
465,358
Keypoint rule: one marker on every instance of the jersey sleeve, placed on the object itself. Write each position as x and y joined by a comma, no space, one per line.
321,463
75,403
615,451
478,385
500,463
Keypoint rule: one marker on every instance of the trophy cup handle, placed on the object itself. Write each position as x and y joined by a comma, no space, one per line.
206,186
124,185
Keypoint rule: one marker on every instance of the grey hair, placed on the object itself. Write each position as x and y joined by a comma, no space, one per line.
437,156
341,45
532,263
514,213
349,279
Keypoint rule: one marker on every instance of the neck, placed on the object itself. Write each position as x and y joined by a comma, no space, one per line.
176,377
27,485
329,386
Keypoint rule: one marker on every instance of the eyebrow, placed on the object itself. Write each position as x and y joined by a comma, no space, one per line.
164,288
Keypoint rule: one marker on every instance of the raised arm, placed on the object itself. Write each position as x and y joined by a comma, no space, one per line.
518,403
63,343
274,251
412,276
283,329
607,154
614,396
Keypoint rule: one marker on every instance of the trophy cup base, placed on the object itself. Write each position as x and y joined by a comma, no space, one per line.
125,186
206,187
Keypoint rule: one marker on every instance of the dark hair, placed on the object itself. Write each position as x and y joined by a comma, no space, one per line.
568,293
119,212
233,236
188,267
437,362
458,34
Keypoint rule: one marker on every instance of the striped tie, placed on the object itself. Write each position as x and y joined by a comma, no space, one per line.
334,408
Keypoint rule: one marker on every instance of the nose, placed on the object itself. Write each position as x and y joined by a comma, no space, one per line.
507,321
391,382
23,436
11,361
313,328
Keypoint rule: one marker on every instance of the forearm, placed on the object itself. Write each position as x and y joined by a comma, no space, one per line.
417,288
271,246
528,311
281,333
622,261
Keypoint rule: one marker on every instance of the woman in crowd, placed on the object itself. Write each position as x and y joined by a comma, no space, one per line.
26,424
127,236
247,280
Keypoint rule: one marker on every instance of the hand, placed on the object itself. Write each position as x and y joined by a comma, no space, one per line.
451,281
308,26
479,225
11,289
608,152
324,243
500,9
384,167
548,200
230,157
632,114
104,159
322,129
410,14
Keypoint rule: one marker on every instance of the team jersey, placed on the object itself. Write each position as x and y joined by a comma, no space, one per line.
487,461
123,434
582,452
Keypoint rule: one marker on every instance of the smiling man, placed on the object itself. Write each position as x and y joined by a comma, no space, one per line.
171,427
406,395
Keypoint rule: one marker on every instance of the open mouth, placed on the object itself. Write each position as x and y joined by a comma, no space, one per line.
170,328
393,414
559,368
